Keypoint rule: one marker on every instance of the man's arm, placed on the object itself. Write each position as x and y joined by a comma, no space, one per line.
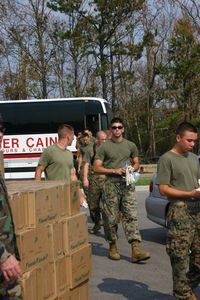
74,178
171,192
99,168
80,159
85,175
38,172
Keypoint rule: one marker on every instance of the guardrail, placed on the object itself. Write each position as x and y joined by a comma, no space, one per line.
151,168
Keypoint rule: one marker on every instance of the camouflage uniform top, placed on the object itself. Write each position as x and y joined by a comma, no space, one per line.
180,171
7,237
115,154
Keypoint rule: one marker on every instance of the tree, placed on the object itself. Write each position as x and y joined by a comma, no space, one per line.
99,21
182,72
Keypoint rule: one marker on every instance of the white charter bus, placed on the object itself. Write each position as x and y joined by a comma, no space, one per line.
31,126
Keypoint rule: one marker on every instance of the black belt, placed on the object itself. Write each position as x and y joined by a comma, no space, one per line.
116,178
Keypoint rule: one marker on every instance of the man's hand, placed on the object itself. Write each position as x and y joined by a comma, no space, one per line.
195,193
85,183
120,171
11,268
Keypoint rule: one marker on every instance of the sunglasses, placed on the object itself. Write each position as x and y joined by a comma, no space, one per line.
117,127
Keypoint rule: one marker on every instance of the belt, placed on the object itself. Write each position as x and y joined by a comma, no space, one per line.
116,178
190,203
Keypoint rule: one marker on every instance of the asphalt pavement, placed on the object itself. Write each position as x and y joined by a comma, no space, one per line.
150,280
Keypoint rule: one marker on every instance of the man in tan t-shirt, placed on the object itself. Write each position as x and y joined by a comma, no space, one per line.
119,197
178,176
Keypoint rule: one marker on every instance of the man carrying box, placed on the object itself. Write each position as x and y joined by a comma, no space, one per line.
57,161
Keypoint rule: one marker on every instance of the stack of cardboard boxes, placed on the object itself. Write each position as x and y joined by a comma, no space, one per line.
52,238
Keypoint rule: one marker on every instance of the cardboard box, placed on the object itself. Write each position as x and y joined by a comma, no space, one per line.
62,279
59,198
35,247
42,208
41,201
80,266
46,281
69,295
75,232
39,284
19,211
75,199
61,194
58,238
29,285
84,291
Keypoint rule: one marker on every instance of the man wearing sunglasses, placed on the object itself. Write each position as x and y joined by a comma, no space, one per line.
111,159
10,271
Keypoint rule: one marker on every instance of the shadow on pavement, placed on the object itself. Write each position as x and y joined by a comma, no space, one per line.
99,249
156,235
131,290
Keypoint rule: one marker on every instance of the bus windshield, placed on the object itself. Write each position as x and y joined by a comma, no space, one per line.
46,116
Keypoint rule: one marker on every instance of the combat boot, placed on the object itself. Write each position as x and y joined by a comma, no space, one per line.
113,252
96,228
191,297
137,254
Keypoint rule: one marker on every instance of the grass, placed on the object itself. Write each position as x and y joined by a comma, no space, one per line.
143,181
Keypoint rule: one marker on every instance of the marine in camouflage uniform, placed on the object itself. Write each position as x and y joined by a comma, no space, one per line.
110,160
9,290
85,147
94,183
178,174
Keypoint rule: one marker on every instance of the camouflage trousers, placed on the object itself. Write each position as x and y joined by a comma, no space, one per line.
94,195
10,290
183,248
118,198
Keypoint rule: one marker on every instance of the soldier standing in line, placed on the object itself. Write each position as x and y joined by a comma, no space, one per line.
94,183
119,196
10,271
178,179
86,146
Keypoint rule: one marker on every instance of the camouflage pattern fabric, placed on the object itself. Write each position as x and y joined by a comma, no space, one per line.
94,195
183,248
119,198
8,290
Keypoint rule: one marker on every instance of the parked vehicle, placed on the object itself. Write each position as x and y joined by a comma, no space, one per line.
31,126
156,204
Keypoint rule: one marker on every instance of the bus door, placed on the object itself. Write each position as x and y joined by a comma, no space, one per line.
93,122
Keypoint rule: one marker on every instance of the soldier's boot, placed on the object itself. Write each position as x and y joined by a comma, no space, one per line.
113,252
137,254
96,228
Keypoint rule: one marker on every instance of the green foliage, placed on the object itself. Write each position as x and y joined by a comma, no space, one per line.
173,117
64,6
